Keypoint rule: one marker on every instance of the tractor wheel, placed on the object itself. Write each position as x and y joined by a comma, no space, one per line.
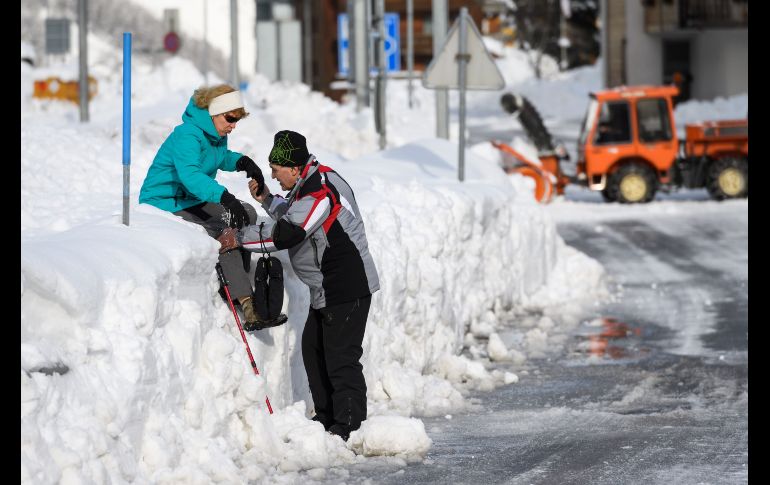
728,178
632,183
608,195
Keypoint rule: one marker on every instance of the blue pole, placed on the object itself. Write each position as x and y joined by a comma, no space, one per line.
126,121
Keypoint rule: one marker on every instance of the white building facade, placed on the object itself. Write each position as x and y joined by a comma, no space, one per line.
701,45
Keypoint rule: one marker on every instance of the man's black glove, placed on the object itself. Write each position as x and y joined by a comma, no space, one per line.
246,164
238,215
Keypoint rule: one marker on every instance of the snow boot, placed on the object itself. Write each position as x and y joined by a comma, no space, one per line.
318,418
273,322
340,430
252,321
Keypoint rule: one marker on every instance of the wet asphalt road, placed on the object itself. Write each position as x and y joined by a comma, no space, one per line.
655,393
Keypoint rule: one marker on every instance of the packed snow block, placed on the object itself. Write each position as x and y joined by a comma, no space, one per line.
397,436
496,348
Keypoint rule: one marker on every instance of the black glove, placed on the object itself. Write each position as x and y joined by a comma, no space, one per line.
238,215
246,164
252,171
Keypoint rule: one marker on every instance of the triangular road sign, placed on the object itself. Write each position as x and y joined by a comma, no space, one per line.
482,72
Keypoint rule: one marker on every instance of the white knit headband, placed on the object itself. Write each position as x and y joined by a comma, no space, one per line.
225,102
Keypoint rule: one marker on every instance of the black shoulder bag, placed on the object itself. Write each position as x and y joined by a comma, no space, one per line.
268,284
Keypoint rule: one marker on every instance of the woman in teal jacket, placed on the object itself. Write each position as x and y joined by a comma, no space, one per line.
181,180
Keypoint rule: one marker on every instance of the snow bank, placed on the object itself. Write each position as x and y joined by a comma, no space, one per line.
132,314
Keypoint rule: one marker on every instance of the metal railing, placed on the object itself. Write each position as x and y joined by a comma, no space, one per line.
698,14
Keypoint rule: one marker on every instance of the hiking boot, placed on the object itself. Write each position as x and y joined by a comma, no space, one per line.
262,324
250,318
252,322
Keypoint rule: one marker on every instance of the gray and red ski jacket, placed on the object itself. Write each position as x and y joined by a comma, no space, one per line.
321,226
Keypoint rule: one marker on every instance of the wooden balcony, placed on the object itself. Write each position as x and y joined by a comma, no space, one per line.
662,16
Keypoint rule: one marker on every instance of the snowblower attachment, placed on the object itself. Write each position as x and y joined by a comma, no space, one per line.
544,181
547,174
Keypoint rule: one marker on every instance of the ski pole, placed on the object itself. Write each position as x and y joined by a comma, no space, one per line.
222,280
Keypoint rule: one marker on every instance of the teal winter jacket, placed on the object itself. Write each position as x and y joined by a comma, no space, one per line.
183,171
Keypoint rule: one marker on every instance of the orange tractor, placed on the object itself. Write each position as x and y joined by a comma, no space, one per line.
628,149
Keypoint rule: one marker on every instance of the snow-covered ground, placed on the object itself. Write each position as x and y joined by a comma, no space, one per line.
132,369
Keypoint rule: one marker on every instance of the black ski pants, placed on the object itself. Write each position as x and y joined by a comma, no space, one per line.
331,349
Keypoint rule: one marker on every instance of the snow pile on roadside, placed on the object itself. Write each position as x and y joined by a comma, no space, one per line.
132,314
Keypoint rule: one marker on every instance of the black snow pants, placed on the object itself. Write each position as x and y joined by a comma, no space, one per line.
331,349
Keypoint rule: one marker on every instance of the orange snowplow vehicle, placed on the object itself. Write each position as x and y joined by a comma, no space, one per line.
628,150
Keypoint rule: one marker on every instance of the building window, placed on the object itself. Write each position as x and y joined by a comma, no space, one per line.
427,26
264,10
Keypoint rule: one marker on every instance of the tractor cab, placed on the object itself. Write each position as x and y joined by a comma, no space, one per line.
629,130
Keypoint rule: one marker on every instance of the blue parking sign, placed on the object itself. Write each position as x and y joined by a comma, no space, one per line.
343,42
392,43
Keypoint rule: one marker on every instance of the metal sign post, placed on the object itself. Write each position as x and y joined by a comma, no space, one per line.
205,42
234,67
462,59
381,73
440,19
126,122
82,36
351,48
410,47
463,63
361,64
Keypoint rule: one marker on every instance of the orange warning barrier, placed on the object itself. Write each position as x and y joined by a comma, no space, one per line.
55,88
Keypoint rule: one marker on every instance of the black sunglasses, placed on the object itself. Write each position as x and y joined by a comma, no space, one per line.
232,119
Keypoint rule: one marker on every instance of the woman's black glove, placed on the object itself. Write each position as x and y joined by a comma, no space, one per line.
238,215
246,164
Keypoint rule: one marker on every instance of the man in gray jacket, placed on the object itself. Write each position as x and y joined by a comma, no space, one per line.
321,226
